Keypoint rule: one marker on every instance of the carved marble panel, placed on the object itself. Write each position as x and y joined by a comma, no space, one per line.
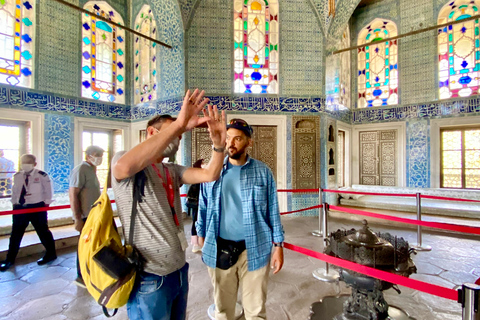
306,152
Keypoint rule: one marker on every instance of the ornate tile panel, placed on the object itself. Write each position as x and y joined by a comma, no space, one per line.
58,46
172,61
344,10
418,154
302,52
186,6
210,47
34,101
306,152
59,148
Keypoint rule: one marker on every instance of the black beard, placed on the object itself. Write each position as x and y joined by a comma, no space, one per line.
237,155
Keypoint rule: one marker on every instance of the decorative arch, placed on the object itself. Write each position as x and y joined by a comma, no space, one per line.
145,57
103,54
459,50
377,65
256,58
17,35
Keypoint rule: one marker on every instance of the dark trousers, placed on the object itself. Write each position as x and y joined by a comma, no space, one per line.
194,213
79,272
20,223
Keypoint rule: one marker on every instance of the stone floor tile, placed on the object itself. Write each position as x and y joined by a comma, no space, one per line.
458,277
42,289
427,268
9,288
433,280
42,308
83,308
45,273
8,304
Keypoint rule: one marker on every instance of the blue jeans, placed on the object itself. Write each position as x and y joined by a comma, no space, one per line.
159,297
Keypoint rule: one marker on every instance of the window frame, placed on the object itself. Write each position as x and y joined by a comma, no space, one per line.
462,129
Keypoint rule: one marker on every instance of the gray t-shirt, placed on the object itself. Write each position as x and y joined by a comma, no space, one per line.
84,177
155,233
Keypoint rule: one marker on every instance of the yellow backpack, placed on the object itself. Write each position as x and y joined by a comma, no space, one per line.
108,267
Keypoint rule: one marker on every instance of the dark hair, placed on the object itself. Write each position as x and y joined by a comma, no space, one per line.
198,163
160,119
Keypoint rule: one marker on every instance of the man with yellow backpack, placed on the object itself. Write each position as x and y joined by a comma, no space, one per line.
161,289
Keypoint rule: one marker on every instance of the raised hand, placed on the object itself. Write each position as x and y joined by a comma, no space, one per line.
217,126
192,105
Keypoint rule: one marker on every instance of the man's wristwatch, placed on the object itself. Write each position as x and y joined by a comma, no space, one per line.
279,244
221,150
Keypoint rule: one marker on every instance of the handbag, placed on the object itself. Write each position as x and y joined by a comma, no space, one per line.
228,252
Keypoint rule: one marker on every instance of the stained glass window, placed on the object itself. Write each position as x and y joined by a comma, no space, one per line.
17,34
377,65
256,60
103,54
459,50
460,158
337,75
145,57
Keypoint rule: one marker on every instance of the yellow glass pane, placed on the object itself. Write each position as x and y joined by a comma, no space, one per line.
472,139
452,159
452,140
472,159
452,178
256,6
472,178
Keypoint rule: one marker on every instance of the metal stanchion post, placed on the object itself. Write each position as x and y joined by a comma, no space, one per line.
469,297
418,246
318,233
325,274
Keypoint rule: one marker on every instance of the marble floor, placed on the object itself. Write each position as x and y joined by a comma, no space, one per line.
28,291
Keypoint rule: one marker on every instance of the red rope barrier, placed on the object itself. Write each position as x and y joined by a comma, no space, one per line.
379,274
447,198
372,193
32,210
437,225
298,190
310,208
400,195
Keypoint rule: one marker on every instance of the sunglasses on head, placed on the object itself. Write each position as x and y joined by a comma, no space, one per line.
239,121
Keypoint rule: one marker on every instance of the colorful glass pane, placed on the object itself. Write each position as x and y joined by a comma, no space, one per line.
102,54
145,57
377,65
458,50
461,158
17,45
256,60
337,74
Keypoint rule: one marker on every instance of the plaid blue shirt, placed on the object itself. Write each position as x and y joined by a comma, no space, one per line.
261,217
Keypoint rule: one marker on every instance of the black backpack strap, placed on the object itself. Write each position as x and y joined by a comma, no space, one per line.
138,193
108,315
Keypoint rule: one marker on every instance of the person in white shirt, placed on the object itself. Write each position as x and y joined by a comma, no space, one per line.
32,188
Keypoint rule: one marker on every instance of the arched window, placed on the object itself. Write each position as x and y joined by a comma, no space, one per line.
256,62
377,65
337,74
103,54
459,50
17,34
145,57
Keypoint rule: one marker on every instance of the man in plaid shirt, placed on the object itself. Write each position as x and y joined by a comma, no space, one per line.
238,223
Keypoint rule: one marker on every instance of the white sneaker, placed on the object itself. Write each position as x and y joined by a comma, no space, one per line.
196,248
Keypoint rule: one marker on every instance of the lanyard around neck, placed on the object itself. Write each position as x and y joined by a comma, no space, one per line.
168,186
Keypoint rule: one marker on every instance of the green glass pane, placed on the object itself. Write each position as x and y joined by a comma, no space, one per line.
465,71
267,52
2,2
120,52
367,66
245,51
235,45
154,45
276,47
386,62
367,75
245,25
367,55
271,47
245,2
450,37
369,85
377,85
451,15
450,49
387,51
387,71
266,26
477,55
452,71
475,8
476,31
477,43
477,67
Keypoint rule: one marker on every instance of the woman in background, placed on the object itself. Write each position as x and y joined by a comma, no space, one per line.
192,205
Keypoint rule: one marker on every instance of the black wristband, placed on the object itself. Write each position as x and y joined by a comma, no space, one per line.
280,244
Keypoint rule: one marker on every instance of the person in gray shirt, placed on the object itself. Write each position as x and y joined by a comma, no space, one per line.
84,191
161,290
